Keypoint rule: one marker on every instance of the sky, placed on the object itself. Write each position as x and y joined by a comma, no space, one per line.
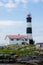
13,18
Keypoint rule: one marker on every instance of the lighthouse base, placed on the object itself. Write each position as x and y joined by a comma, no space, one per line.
31,41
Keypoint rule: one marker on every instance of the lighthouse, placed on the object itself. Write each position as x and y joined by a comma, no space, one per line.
29,29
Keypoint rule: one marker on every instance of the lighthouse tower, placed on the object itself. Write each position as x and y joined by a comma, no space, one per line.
29,29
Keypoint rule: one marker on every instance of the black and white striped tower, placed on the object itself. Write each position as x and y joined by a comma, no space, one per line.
29,29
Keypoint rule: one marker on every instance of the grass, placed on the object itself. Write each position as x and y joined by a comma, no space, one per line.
5,51
8,50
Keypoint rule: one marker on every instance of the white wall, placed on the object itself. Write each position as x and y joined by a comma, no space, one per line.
38,47
8,41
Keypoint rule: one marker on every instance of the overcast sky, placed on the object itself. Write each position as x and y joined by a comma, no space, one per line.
13,18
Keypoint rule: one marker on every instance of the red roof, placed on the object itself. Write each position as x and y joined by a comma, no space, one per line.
17,36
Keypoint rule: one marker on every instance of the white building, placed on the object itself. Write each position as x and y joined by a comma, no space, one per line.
39,46
16,39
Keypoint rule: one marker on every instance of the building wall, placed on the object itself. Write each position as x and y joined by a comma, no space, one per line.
15,41
39,46
7,41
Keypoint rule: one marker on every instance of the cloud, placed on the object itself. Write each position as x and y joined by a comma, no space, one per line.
17,1
14,3
23,1
1,4
10,4
36,0
10,23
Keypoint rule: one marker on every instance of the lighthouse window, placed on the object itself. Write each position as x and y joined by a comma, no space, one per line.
22,39
11,39
17,39
25,39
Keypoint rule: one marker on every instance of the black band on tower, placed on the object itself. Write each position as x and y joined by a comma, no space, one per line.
31,41
29,19
29,30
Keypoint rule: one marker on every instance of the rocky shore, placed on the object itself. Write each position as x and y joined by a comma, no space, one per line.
31,58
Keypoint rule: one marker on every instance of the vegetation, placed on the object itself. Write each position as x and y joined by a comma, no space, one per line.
19,49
